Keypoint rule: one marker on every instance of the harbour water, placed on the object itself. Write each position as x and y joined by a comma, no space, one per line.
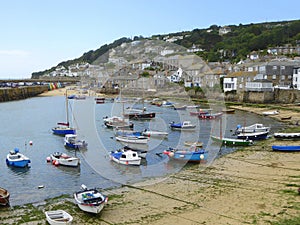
32,119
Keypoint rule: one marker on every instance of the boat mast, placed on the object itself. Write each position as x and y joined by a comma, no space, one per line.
67,108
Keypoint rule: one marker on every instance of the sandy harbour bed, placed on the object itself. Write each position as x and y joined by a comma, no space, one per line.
251,186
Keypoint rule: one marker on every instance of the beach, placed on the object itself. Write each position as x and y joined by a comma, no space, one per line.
253,185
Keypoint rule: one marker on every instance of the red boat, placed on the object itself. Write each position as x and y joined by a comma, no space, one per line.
210,116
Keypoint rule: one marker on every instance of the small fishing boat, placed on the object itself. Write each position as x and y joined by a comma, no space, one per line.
232,141
254,135
286,148
100,100
287,136
4,197
190,155
228,111
117,121
140,115
58,217
185,125
90,200
133,139
200,112
195,143
126,157
16,159
153,133
210,116
257,127
167,104
71,141
270,113
58,158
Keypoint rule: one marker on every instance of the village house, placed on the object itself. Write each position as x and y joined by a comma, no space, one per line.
296,78
224,30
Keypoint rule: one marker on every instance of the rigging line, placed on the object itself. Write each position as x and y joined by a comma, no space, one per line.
272,166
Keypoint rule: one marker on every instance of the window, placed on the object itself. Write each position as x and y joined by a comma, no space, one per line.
289,77
282,77
265,77
274,67
274,77
282,67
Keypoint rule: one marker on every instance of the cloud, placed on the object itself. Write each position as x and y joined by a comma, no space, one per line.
13,53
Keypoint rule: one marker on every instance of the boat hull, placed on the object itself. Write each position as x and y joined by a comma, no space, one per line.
133,140
63,131
58,217
187,156
286,148
287,136
70,161
232,141
253,136
4,197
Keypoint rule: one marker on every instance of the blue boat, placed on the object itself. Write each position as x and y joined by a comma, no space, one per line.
185,125
16,159
71,141
286,148
197,155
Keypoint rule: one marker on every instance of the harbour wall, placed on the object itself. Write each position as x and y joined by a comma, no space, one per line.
11,94
280,96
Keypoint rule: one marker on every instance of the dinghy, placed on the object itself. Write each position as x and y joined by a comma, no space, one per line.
58,217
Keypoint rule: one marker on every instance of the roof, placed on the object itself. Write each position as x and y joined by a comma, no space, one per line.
242,74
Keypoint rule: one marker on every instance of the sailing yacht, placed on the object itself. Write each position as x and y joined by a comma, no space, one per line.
64,128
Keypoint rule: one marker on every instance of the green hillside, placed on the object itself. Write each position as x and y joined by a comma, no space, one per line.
232,46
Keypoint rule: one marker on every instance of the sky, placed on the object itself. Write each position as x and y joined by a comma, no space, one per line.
37,35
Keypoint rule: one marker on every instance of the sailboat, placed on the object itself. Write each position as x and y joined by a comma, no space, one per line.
64,128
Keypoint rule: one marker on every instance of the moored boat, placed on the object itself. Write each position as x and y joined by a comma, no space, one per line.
269,113
228,111
71,141
4,197
254,135
185,125
58,217
126,157
133,139
210,116
232,141
191,155
153,133
58,158
286,148
16,159
90,200
287,136
117,121
257,127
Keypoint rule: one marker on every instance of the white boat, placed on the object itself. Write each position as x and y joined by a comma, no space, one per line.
185,125
267,113
127,157
90,200
58,217
133,139
71,141
63,159
257,127
117,121
287,136
153,133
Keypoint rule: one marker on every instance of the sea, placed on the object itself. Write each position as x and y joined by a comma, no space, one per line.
30,121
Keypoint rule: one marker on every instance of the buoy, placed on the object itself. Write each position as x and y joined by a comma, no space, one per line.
48,159
30,142
201,156
53,162
56,163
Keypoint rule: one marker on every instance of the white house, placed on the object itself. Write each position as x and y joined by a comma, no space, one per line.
230,84
296,78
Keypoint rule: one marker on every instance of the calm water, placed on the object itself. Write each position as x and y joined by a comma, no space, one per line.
32,120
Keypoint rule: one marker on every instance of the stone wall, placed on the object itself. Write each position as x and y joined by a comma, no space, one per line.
278,96
11,94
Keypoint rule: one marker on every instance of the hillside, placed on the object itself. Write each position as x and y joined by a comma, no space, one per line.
213,46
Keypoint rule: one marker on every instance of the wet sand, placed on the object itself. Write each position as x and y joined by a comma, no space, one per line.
251,186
